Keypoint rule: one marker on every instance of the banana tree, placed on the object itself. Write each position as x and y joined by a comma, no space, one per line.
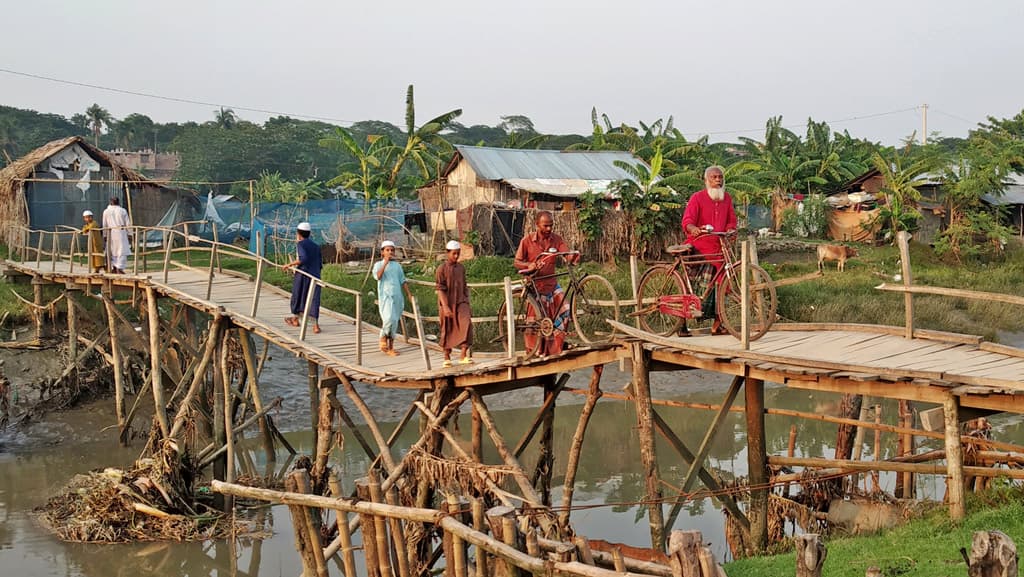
423,144
366,172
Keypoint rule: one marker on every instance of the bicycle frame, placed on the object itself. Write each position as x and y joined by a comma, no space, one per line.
688,304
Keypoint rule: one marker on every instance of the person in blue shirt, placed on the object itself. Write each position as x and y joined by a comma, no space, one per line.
390,302
310,262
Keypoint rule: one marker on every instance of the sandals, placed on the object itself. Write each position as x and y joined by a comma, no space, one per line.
316,329
447,363
466,361
291,321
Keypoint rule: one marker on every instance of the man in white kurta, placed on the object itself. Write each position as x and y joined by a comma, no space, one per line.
116,225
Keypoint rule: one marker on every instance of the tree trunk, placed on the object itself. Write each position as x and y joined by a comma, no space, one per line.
993,554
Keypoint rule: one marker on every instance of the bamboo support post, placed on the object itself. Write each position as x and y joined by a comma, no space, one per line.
903,240
348,557
73,252
188,245
518,474
544,413
152,319
954,459
371,423
510,320
252,372
476,436
757,463
397,544
993,554
480,525
167,256
216,253
313,382
260,265
683,553
617,560
709,437
70,293
209,280
419,331
583,547
546,458
307,534
325,434
648,453
37,300
39,251
745,295
219,440
503,527
359,328
54,252
875,487
572,464
229,433
810,555
455,556
118,366
906,409
212,339
367,522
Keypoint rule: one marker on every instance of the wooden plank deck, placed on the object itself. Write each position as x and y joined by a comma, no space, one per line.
852,358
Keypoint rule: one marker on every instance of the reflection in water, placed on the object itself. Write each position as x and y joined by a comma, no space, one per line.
36,464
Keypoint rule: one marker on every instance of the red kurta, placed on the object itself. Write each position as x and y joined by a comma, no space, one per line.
531,247
701,211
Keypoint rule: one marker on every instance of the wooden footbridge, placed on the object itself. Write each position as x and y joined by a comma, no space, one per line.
204,305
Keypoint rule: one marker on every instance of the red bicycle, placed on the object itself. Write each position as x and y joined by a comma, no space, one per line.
671,293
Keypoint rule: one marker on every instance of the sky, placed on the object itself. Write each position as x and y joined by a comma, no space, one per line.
718,67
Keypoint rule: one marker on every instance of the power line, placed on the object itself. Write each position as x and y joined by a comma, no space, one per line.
830,122
960,118
173,98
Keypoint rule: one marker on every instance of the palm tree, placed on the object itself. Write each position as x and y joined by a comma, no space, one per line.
900,190
649,200
98,117
225,118
421,144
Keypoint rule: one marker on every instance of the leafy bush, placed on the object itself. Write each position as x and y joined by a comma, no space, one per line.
809,222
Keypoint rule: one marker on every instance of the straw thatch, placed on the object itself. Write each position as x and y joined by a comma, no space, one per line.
13,203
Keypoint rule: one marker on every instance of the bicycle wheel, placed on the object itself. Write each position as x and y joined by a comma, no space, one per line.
593,303
657,282
529,322
762,302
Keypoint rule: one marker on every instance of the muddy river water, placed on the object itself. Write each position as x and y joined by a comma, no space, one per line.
38,460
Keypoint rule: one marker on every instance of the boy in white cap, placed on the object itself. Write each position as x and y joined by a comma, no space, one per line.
453,305
390,302
310,262
91,229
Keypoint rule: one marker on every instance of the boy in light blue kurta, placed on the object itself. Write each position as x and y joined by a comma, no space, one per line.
390,284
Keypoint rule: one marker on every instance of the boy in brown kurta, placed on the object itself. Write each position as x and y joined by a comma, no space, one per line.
453,304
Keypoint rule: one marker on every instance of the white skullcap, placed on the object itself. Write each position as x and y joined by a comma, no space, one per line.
86,213
386,244
304,226
453,245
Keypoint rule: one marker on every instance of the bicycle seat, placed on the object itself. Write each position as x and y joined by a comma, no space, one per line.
677,249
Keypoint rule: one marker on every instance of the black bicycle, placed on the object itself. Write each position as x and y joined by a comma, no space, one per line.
591,300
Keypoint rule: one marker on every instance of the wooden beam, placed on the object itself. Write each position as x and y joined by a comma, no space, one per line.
705,446
757,463
648,453
153,320
954,460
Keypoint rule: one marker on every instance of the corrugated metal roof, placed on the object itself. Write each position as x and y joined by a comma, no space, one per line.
1012,194
512,163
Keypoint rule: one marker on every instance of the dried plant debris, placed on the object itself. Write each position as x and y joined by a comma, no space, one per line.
152,501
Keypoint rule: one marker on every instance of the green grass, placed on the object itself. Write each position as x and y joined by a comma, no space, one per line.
926,547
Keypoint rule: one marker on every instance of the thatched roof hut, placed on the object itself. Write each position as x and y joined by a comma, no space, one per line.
51,186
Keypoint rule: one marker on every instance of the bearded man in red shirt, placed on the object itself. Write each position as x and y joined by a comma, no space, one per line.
708,210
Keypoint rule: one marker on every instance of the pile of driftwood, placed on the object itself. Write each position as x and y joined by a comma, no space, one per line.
152,501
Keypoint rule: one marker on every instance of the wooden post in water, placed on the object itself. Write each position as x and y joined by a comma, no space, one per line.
903,239
348,558
219,434
954,458
37,313
325,433
313,379
572,464
648,454
757,463
71,293
546,459
307,533
375,559
152,319
249,354
510,320
810,555
397,544
503,527
115,354
229,433
745,295
479,524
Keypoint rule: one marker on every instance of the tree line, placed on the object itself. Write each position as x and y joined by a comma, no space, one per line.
294,159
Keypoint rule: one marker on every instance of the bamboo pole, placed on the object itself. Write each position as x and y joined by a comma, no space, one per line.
371,422
572,465
213,258
457,560
307,536
371,554
245,337
480,526
419,331
648,452
153,316
325,435
304,324
70,294
422,515
903,240
37,300
200,373
359,328
397,531
229,433
745,295
219,434
518,474
709,437
260,264
167,256
757,462
347,556
313,382
841,465
118,366
543,415
954,459
510,320
503,527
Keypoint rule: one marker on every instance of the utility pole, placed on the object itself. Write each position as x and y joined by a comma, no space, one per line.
924,124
